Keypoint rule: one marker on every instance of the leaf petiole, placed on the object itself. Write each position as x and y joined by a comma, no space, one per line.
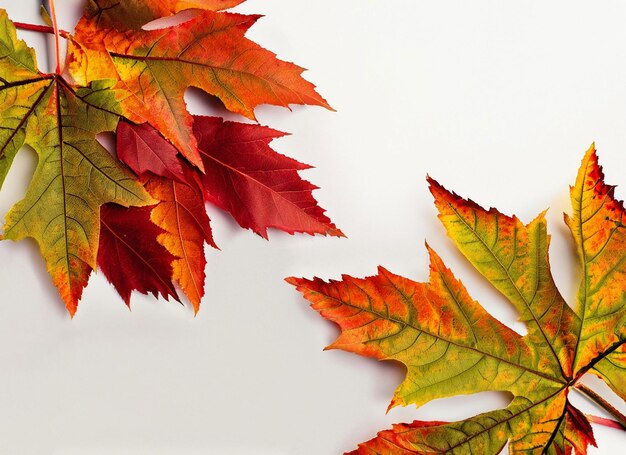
40,29
620,419
604,421
55,26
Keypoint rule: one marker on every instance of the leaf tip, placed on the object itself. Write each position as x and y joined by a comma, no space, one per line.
71,310
432,254
332,232
301,284
592,147
436,189
395,401
196,308
292,280
591,155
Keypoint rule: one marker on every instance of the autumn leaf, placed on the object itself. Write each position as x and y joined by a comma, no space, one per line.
129,237
139,214
243,173
209,52
181,214
75,175
450,345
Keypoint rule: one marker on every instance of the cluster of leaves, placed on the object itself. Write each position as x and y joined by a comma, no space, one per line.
450,345
141,217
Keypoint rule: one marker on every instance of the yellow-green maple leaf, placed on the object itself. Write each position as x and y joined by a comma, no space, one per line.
75,175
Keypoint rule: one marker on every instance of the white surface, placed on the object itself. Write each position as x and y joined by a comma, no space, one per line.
497,100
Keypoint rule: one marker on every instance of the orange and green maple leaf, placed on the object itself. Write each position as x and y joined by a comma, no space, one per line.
450,345
83,205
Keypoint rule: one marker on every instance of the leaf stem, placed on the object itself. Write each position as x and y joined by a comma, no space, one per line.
55,26
620,418
40,29
604,421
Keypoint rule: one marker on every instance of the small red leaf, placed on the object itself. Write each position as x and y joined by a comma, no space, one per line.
129,254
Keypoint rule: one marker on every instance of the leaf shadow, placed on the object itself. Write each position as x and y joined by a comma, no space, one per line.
200,102
171,21
107,140
223,225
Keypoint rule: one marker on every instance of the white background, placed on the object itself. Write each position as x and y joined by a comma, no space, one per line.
497,100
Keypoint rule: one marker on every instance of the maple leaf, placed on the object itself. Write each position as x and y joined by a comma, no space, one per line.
141,217
75,175
129,237
450,345
209,52
182,216
243,173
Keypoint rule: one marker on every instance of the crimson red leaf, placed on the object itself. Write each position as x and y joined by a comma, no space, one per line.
143,149
129,254
257,186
